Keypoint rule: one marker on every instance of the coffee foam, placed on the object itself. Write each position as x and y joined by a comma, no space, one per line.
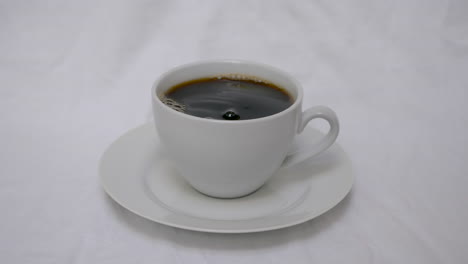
242,77
172,104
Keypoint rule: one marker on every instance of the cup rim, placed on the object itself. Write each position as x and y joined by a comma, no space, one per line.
297,101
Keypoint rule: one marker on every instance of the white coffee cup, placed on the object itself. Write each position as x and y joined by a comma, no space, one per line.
228,159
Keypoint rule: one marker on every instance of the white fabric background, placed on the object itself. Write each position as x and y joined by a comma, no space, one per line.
75,75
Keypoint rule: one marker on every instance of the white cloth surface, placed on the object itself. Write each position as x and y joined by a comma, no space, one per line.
75,75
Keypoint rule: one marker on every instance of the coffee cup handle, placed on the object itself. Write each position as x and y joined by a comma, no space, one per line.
309,114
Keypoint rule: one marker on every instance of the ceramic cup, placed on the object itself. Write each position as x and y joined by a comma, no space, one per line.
229,159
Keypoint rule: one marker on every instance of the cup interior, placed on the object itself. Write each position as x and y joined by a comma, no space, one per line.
249,70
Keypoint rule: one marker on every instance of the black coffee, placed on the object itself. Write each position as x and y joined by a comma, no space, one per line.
228,99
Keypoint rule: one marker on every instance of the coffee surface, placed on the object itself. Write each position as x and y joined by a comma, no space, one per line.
228,99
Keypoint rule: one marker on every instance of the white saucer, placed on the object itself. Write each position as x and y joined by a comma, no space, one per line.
136,174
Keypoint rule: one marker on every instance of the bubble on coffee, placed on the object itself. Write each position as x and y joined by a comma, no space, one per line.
228,97
231,115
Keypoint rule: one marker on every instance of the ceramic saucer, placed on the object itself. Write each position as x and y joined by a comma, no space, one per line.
136,174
